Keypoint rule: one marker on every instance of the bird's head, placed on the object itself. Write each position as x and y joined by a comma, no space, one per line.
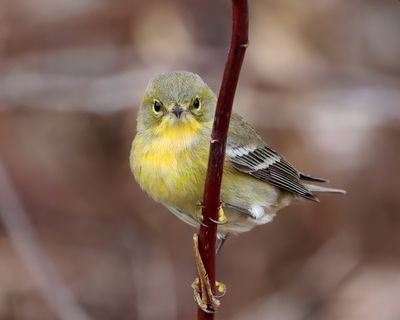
177,100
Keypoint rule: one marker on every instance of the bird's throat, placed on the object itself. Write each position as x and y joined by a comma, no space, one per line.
177,135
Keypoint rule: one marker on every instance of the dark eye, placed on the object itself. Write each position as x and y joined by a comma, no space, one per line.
157,106
196,103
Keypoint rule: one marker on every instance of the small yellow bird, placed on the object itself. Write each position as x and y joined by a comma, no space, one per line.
169,158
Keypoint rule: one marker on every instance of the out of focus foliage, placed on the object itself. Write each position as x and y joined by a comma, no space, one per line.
321,82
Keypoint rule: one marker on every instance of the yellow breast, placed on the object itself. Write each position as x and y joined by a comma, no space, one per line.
171,166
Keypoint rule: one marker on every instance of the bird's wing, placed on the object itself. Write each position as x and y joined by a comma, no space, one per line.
249,154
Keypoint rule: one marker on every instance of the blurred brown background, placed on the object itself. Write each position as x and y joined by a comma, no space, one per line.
80,240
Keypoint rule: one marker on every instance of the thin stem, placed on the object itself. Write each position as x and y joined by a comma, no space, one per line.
212,190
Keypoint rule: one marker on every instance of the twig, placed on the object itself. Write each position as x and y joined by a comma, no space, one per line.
57,296
211,199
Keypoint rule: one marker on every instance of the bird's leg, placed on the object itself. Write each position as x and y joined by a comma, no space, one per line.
221,238
222,219
202,292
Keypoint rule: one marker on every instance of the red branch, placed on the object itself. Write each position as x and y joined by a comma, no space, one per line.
212,190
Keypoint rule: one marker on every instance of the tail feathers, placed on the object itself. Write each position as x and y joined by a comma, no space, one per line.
314,188
307,177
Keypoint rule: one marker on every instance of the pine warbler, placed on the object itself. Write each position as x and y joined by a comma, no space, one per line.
170,152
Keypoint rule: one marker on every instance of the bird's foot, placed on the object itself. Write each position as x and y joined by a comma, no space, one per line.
222,219
202,292
199,213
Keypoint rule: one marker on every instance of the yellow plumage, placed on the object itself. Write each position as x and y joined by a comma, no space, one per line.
164,166
169,157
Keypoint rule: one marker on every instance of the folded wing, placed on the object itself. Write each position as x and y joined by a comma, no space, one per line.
267,165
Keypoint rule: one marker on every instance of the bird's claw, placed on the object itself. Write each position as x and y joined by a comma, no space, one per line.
199,205
222,219
200,221
199,215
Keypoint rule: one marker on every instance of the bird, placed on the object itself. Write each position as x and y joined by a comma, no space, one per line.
169,159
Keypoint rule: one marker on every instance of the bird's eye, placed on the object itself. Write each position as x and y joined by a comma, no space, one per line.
157,106
196,103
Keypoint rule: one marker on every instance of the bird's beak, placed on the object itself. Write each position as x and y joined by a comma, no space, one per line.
177,111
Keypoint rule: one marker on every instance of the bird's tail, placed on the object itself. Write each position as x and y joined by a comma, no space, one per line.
314,188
